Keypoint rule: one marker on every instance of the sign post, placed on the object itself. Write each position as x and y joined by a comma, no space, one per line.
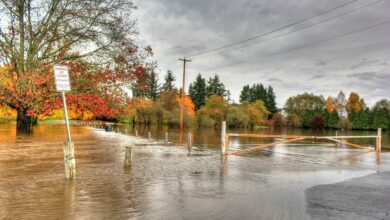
61,75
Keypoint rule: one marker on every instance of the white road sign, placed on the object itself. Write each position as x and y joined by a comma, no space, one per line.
61,75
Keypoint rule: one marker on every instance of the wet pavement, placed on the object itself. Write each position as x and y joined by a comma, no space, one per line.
365,197
169,182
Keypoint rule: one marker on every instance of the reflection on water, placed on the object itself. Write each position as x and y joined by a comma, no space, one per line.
168,182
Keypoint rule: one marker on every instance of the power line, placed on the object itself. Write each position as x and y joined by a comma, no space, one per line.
275,30
306,45
297,30
173,66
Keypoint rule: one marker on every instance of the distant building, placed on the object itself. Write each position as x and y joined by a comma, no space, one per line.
341,104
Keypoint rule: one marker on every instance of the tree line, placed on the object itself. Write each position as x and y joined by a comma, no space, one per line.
207,103
257,107
313,111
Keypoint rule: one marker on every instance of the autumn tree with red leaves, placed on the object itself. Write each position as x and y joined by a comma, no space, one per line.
35,35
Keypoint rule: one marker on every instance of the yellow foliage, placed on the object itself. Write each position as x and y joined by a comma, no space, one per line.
72,114
6,77
7,112
355,102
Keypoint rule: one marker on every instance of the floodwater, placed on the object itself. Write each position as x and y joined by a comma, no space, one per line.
170,182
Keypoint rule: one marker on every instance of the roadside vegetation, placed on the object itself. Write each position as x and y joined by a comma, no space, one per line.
208,103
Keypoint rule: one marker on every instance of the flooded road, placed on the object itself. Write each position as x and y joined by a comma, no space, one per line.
167,182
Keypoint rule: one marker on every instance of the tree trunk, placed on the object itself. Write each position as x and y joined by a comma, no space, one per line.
34,121
23,121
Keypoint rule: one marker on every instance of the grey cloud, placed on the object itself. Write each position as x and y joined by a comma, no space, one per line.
178,28
370,76
273,79
366,62
317,76
321,62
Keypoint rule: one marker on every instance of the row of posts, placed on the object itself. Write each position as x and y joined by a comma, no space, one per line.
129,149
70,162
224,139
166,139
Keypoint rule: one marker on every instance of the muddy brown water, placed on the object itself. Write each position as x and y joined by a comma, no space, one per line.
169,182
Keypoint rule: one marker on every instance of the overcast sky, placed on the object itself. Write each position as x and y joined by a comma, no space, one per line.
292,63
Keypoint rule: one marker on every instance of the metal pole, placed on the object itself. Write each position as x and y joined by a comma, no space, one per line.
66,117
223,138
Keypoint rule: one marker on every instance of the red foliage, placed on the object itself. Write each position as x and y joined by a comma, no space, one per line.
317,122
98,90
28,92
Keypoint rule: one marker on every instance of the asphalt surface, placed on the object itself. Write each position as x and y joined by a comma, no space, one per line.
366,197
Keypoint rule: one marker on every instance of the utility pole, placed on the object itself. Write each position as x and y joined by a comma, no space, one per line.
183,94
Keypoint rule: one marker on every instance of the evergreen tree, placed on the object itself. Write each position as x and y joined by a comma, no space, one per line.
270,101
360,119
216,87
331,118
197,91
380,118
168,84
258,92
153,86
245,95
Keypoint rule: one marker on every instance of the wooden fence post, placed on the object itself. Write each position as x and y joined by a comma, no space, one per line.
128,156
223,138
166,138
70,161
136,133
149,135
378,147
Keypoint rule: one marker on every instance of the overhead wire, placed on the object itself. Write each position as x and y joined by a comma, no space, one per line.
304,46
297,30
274,30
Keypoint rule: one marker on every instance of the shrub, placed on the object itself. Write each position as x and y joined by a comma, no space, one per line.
278,120
317,122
